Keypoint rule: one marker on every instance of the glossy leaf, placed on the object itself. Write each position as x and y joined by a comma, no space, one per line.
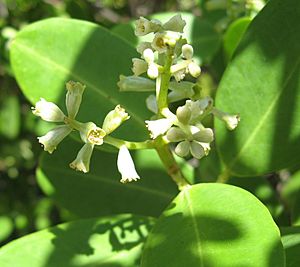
214,225
200,33
112,241
100,192
290,237
262,84
47,54
234,34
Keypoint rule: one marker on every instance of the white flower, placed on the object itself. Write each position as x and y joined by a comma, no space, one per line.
175,134
136,84
153,71
148,55
144,26
126,166
194,69
48,111
159,126
187,51
163,40
91,133
114,119
176,24
73,97
82,161
51,140
139,66
230,120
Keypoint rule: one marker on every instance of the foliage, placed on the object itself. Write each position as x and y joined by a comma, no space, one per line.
236,206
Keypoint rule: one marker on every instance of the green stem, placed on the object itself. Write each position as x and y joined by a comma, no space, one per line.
224,176
164,80
130,145
170,164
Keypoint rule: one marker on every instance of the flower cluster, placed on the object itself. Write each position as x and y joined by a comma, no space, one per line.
89,132
169,56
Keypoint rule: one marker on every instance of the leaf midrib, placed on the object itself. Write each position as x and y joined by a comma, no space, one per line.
195,224
77,77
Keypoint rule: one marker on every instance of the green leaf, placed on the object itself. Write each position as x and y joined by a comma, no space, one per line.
234,34
112,241
47,54
214,225
262,84
290,237
100,192
198,32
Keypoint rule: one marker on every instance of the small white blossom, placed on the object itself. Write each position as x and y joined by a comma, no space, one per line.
126,166
230,120
51,140
139,66
197,150
91,133
187,51
159,127
194,69
148,55
153,71
144,26
163,40
82,161
48,111
114,119
176,24
73,97
175,134
182,149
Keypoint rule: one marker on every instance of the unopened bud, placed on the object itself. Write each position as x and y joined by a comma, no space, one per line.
153,71
48,111
135,84
175,134
187,51
194,69
197,150
183,114
182,149
114,119
73,97
148,55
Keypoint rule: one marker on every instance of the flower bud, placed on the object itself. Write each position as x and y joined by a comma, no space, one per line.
197,150
126,166
135,84
153,71
90,133
175,134
183,114
51,140
148,55
48,111
73,97
139,66
159,127
182,149
230,120
176,24
114,119
194,69
82,161
187,51
144,26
